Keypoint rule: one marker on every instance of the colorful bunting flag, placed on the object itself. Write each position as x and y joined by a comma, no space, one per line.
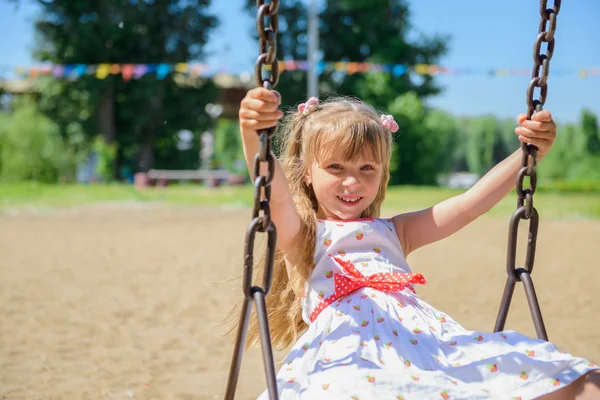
161,71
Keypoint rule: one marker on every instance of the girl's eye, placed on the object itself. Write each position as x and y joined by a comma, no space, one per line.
368,167
335,166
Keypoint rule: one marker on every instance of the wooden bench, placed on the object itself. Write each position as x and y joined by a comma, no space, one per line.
212,178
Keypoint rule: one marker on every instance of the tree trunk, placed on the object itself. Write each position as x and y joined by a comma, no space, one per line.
106,113
107,120
146,154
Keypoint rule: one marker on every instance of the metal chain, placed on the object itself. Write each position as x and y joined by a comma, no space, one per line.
525,209
267,76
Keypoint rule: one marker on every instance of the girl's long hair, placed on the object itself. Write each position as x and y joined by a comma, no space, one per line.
340,123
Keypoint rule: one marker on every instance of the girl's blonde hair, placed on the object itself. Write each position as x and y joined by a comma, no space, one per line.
340,123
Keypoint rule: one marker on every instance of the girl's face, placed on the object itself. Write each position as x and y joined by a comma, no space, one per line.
344,189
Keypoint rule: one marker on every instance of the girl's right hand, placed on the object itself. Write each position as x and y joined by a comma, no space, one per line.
259,109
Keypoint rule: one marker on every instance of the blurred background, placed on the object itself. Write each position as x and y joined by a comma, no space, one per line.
120,158
96,93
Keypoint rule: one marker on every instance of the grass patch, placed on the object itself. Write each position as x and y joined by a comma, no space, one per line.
549,204
61,196
400,198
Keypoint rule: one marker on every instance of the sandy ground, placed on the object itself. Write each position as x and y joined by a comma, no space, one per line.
119,302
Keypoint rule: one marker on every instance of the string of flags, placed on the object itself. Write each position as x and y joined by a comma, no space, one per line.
161,71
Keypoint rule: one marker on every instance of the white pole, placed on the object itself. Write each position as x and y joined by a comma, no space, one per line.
313,46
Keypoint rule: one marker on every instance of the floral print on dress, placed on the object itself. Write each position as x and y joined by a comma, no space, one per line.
374,338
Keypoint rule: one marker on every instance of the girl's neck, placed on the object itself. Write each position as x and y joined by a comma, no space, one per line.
325,215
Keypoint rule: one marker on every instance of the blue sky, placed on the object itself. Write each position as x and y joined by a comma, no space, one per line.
484,34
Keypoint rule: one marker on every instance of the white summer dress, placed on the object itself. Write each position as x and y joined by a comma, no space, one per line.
371,337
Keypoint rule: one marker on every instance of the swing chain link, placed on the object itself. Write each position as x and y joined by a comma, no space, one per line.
525,209
267,76
539,79
267,26
261,222
267,43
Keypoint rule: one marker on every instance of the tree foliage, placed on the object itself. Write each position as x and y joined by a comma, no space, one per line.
141,116
31,147
376,31
134,124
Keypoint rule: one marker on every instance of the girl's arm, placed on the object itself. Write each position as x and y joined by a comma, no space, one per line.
259,110
421,228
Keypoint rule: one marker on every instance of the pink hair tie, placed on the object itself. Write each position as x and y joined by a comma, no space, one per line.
308,107
389,123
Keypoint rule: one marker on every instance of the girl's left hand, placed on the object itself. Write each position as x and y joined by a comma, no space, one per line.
540,131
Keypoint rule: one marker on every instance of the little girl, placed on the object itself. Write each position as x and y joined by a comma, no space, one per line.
342,281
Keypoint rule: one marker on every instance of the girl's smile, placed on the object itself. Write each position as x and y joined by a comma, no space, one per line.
351,200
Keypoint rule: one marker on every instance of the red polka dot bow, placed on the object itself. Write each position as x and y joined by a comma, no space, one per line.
384,281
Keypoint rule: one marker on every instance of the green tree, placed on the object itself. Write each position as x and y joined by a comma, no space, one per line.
106,154
228,146
375,31
509,139
31,147
589,128
564,155
442,128
359,31
583,151
139,113
486,142
417,148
